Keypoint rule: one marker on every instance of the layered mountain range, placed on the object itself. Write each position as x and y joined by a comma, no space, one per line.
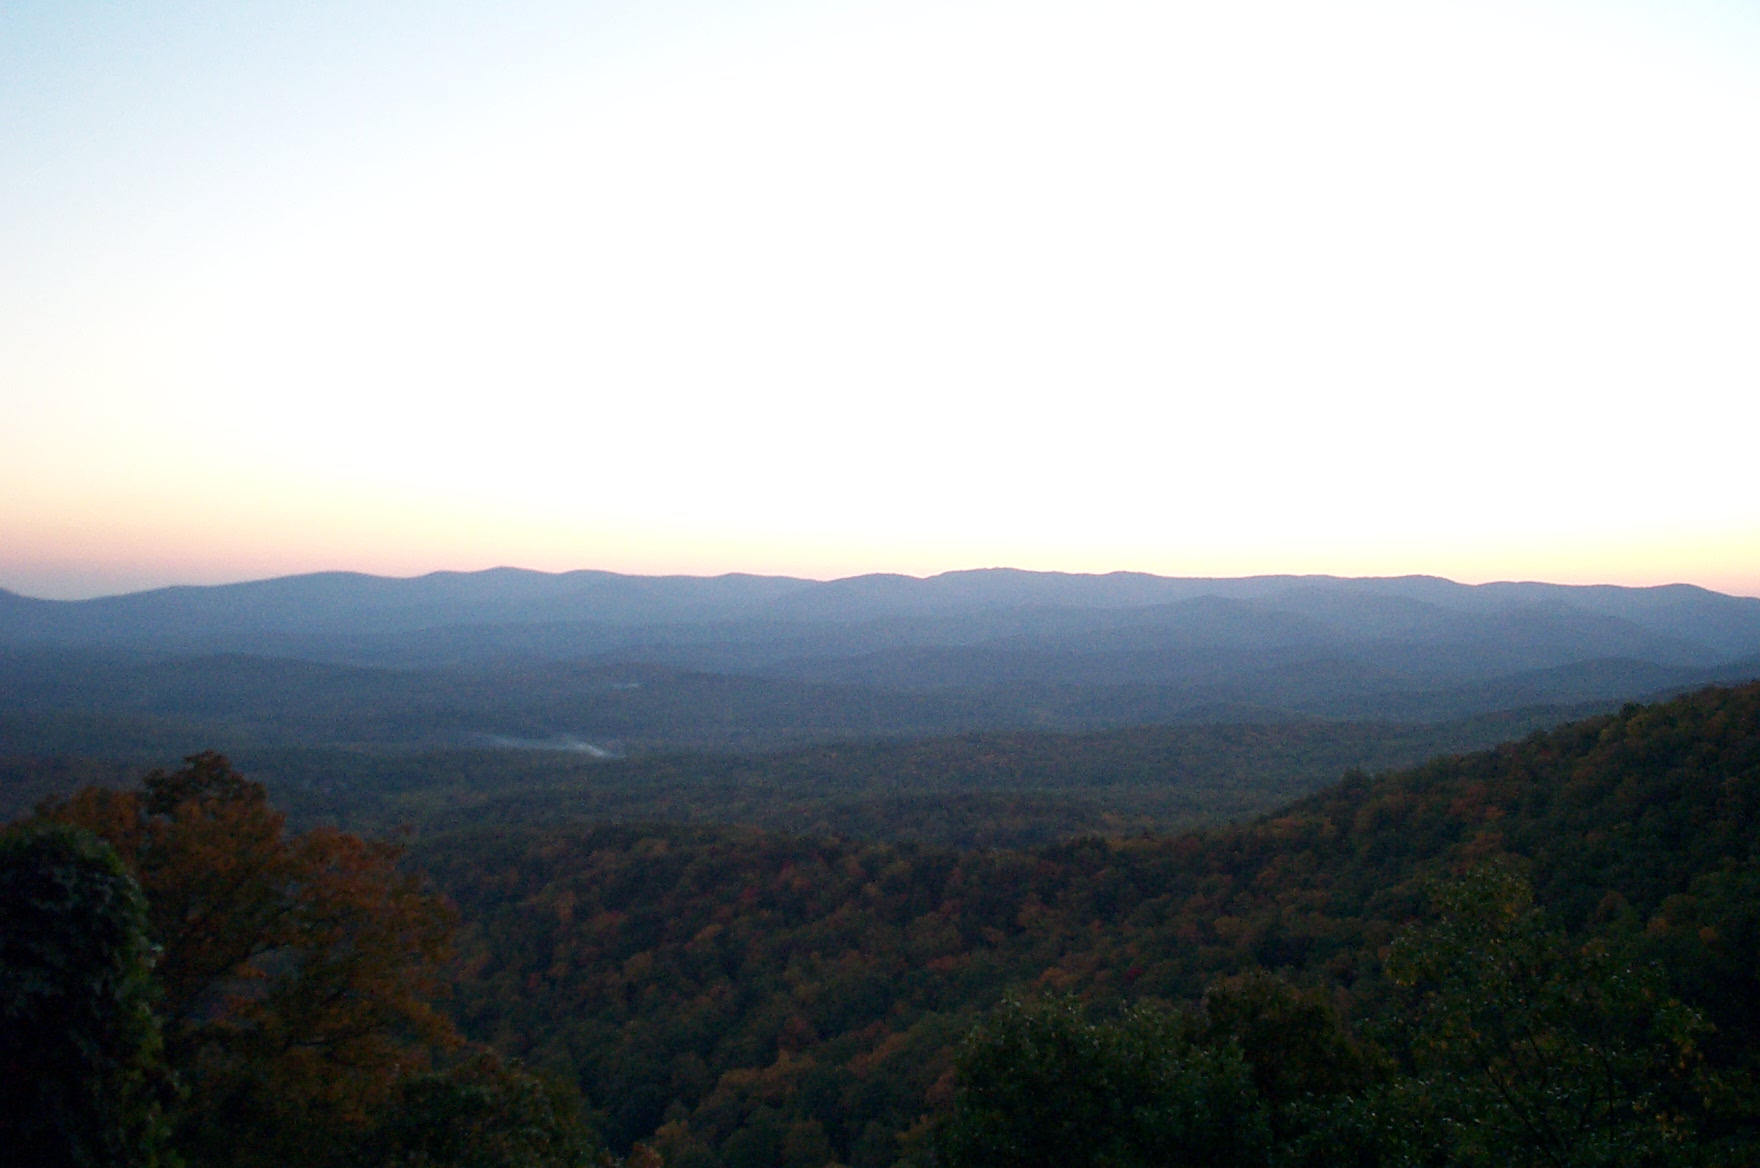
600,661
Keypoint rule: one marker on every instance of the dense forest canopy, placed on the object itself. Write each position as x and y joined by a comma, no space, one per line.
995,789
723,996
704,982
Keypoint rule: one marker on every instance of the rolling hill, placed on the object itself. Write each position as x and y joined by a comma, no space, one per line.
642,664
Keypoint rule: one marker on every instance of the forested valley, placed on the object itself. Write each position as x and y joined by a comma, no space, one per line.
998,789
1538,953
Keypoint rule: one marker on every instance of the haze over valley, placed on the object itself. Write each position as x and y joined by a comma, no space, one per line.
532,681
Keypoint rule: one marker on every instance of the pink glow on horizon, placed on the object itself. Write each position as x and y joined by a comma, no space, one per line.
72,577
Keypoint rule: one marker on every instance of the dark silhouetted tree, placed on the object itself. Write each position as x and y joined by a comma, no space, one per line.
482,1113
1529,1048
81,1080
1039,1086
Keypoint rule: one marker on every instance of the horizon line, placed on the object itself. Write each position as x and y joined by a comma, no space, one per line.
810,580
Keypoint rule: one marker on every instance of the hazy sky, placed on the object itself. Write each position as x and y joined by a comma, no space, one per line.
821,288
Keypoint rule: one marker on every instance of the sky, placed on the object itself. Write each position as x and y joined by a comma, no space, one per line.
1354,287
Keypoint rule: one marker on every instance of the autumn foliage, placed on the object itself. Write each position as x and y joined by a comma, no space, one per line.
298,972
1544,953
746,999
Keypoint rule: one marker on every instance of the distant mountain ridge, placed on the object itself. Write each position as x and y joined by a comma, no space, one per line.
354,602
742,661
350,603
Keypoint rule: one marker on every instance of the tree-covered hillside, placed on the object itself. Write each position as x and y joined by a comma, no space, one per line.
729,993
1544,953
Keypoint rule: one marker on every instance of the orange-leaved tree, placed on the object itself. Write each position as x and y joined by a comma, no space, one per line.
297,971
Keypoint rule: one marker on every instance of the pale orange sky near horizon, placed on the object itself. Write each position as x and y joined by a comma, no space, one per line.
821,288
1704,564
